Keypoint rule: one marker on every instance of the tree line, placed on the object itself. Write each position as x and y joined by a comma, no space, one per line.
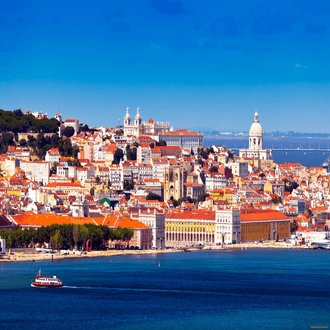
66,236
17,122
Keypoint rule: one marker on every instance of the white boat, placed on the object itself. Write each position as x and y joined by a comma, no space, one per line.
46,282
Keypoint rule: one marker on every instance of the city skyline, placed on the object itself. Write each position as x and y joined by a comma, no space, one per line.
196,65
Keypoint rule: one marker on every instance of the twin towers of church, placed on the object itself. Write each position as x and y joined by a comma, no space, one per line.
256,143
135,128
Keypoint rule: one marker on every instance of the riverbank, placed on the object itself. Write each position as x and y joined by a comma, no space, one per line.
21,256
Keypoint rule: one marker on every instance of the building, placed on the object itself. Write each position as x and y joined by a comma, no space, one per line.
138,128
52,156
132,128
203,227
240,169
74,123
173,183
264,225
256,149
154,219
214,181
36,171
182,138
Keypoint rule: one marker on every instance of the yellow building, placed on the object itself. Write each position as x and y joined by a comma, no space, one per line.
224,194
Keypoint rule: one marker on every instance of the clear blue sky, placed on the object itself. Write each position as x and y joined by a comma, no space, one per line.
194,63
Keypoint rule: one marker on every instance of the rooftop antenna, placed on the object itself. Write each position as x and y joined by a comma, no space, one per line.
119,121
59,108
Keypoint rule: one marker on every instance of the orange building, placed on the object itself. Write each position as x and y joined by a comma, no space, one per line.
264,225
142,238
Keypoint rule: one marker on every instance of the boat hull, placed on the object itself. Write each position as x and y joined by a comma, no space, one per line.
46,285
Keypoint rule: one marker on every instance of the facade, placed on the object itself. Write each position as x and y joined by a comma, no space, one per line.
151,127
182,138
193,190
132,128
173,183
203,227
155,220
74,123
36,171
264,225
143,155
137,128
256,143
214,181
240,169
52,156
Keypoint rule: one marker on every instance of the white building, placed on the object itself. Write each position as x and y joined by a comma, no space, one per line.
240,169
182,138
143,155
52,156
228,225
36,171
132,128
138,128
156,220
158,168
214,181
74,123
256,143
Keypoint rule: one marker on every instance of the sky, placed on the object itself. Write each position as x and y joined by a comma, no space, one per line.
197,64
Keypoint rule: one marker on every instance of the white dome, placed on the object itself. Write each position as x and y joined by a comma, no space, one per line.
255,129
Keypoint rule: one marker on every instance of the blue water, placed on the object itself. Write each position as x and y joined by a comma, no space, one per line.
308,158
249,289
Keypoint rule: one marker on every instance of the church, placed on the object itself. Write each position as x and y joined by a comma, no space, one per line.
256,150
138,128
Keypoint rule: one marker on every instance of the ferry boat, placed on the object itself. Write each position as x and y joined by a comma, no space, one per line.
46,282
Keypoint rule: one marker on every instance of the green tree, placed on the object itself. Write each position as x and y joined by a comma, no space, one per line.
161,143
97,179
202,197
92,191
214,169
68,131
293,226
22,142
152,196
118,156
128,185
56,240
83,234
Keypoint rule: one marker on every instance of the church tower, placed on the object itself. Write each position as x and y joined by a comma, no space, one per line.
127,118
138,119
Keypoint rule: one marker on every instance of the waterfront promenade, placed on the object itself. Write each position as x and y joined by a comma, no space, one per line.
21,256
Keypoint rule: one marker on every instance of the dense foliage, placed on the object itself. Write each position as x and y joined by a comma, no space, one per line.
17,122
42,144
131,153
6,139
128,185
66,235
202,197
118,156
152,196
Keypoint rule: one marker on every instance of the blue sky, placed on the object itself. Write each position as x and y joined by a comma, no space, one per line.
198,64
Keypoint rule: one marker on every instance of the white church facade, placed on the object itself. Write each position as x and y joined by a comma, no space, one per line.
138,128
256,149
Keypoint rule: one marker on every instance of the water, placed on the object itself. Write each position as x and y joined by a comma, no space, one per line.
308,158
249,289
